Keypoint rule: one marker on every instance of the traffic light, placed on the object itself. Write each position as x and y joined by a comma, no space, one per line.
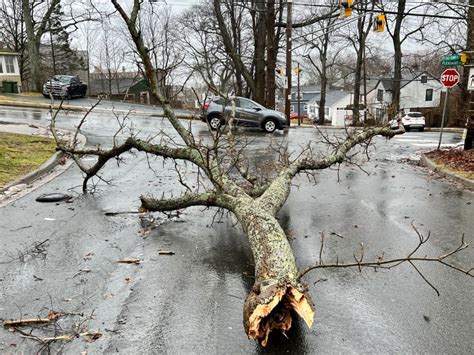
379,23
463,58
346,7
279,71
298,70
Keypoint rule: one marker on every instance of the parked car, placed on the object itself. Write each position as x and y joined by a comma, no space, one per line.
413,120
248,113
294,116
64,86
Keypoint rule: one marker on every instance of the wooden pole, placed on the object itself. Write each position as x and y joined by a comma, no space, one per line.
288,61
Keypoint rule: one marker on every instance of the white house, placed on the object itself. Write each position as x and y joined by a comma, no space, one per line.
420,91
335,100
10,80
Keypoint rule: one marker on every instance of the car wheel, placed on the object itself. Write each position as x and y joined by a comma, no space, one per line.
269,126
422,129
407,128
215,122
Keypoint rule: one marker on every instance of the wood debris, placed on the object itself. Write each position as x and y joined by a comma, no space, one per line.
166,252
135,261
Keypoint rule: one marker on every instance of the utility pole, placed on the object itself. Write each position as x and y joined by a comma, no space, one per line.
288,60
469,110
299,97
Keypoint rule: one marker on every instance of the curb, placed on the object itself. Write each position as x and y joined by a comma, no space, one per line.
430,164
43,174
55,106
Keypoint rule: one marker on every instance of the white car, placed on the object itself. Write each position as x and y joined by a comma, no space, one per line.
413,120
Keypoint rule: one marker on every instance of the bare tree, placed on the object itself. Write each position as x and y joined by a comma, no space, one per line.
318,38
36,15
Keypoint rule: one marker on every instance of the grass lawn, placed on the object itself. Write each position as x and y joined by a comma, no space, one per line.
21,154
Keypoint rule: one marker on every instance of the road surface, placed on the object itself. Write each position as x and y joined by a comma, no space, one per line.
191,302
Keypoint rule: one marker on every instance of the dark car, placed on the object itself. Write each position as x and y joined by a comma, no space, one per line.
248,113
64,86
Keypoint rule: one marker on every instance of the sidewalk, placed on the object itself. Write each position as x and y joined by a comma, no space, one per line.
446,173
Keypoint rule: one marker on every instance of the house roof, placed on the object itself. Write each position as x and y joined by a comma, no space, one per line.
416,76
6,51
332,97
307,89
407,77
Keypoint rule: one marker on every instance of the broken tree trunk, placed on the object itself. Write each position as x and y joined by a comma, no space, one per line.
276,291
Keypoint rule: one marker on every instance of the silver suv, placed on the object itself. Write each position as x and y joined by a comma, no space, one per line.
248,113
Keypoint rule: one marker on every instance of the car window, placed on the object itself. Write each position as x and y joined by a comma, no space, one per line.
415,114
244,103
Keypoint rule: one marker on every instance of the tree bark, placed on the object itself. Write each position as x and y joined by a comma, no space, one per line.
34,40
272,52
397,58
259,52
465,97
276,291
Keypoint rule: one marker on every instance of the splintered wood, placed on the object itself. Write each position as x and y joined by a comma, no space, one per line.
276,314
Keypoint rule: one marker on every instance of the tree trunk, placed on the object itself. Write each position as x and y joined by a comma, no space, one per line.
323,77
397,65
235,23
259,53
33,47
358,75
465,97
272,52
276,291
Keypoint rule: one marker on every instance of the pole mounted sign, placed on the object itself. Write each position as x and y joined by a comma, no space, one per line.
450,78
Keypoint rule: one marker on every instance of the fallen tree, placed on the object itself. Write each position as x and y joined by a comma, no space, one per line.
231,185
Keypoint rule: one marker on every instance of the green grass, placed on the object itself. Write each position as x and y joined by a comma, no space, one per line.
21,154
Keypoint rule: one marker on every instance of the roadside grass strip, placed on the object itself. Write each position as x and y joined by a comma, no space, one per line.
21,154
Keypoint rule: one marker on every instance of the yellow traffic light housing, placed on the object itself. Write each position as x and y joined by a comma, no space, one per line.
463,58
345,7
379,23
298,71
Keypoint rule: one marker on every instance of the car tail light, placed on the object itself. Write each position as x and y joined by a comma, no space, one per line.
205,106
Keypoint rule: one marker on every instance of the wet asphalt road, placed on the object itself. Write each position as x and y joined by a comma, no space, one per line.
191,302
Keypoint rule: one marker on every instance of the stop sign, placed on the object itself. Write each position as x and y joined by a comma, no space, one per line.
450,78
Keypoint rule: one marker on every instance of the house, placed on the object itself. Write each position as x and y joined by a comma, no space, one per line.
306,93
418,92
335,100
10,79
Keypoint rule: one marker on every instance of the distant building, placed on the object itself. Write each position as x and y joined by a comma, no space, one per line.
418,92
10,79
336,100
306,93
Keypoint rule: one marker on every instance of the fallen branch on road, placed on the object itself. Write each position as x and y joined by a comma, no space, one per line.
380,263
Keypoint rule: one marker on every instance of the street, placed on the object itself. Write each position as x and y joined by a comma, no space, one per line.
191,302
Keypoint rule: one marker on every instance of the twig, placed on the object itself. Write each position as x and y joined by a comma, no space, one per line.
23,322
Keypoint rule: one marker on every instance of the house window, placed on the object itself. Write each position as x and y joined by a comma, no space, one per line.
292,108
379,114
305,108
380,95
10,64
429,95
1,65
